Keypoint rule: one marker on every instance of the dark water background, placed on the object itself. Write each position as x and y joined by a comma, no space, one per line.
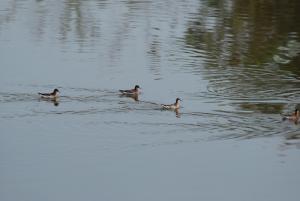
235,64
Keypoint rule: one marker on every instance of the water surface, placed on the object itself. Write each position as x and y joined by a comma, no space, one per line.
235,64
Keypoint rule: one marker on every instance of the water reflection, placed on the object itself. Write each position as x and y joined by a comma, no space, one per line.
177,113
265,108
54,101
244,32
135,97
250,51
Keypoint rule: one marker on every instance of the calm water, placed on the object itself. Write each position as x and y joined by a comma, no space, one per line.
235,64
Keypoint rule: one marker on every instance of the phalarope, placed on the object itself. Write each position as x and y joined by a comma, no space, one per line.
134,91
52,95
293,117
173,106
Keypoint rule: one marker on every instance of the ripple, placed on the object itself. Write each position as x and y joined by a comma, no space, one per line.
246,116
6,97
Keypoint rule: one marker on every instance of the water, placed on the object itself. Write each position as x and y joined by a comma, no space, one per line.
235,64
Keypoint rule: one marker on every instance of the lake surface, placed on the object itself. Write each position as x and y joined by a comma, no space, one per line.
235,64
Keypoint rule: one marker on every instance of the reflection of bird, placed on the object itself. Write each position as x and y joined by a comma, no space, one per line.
53,95
134,91
173,106
55,102
294,117
177,113
133,96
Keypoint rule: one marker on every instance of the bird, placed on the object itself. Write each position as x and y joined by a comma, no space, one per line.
52,95
173,106
134,91
293,117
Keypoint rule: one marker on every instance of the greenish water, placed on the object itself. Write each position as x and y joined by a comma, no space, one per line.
235,64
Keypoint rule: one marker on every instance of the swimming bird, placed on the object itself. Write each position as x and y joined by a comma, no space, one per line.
134,91
53,95
294,117
173,106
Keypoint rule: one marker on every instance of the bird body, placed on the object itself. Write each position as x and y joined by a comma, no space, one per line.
173,106
294,117
134,91
52,95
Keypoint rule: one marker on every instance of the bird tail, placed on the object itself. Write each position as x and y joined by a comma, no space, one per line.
283,117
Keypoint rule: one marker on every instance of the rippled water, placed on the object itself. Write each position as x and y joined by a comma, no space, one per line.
235,64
